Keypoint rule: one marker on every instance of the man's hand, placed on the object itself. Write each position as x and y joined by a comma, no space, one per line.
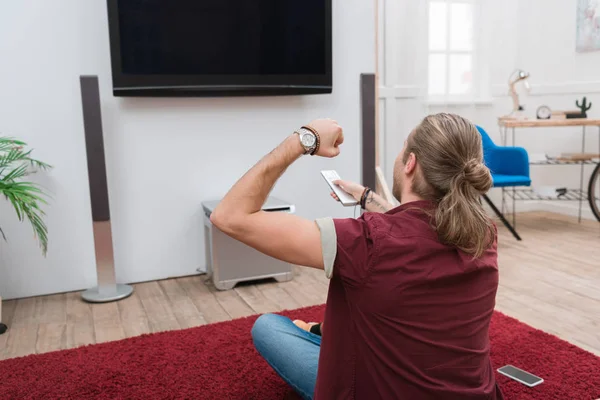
330,137
353,189
373,203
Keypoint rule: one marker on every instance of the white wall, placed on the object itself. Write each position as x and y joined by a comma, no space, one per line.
164,156
537,36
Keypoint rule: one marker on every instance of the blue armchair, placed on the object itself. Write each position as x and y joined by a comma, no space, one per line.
509,167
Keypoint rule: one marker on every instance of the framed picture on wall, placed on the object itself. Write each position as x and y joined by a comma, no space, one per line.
588,25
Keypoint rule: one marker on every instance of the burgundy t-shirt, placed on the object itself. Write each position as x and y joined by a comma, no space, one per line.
407,317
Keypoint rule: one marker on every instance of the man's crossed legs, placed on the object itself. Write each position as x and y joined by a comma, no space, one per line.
290,350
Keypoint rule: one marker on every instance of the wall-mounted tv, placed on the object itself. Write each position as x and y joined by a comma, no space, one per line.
220,47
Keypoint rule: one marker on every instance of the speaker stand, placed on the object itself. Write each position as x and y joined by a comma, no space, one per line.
107,293
107,289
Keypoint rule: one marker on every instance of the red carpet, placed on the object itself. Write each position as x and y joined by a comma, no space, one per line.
218,362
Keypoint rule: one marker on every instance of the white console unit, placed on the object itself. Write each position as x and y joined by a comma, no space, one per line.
229,261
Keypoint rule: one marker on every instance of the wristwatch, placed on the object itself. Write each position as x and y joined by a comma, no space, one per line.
308,140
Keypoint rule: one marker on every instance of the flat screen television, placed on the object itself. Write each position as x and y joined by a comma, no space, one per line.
220,47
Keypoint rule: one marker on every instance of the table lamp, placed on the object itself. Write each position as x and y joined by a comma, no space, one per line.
513,80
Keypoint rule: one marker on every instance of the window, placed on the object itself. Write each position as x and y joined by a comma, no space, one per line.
452,57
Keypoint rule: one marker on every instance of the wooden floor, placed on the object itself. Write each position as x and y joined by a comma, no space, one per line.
550,280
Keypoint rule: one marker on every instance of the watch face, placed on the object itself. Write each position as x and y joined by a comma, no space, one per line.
308,140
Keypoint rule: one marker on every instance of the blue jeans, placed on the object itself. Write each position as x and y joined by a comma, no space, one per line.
292,352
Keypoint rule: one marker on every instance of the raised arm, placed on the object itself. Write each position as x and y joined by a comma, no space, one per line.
283,236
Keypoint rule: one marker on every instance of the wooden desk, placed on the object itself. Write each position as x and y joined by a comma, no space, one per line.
505,123
544,123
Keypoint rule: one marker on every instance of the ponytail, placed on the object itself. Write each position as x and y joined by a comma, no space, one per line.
460,219
449,153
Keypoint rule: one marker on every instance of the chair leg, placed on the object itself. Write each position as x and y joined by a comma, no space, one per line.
501,216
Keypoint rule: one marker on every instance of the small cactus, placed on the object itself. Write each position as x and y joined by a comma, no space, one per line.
584,107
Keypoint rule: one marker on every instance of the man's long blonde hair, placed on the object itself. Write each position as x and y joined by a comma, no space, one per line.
451,172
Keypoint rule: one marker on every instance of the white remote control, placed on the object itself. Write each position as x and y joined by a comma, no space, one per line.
345,198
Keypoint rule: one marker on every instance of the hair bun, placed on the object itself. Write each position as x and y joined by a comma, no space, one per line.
478,175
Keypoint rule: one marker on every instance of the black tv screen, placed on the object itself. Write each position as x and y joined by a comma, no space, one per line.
220,47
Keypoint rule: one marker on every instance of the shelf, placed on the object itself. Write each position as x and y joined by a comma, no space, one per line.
529,194
563,162
540,123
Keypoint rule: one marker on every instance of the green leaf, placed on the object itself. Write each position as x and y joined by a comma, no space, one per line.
25,197
16,173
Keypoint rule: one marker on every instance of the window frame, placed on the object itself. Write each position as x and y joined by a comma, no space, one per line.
479,93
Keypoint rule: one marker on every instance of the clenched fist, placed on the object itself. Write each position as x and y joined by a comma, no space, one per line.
330,137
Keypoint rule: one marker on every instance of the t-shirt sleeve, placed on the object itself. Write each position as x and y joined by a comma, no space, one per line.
348,248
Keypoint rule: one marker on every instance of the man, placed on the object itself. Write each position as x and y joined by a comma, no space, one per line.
412,289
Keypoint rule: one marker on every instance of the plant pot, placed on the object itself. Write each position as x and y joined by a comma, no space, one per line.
3,327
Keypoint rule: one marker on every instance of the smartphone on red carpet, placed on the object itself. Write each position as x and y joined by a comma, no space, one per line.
521,376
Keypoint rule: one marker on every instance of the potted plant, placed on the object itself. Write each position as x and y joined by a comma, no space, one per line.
26,197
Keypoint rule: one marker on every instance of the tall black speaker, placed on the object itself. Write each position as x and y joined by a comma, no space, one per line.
368,130
107,289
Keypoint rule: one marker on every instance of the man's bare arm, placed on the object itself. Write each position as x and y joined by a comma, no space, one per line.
376,203
283,236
